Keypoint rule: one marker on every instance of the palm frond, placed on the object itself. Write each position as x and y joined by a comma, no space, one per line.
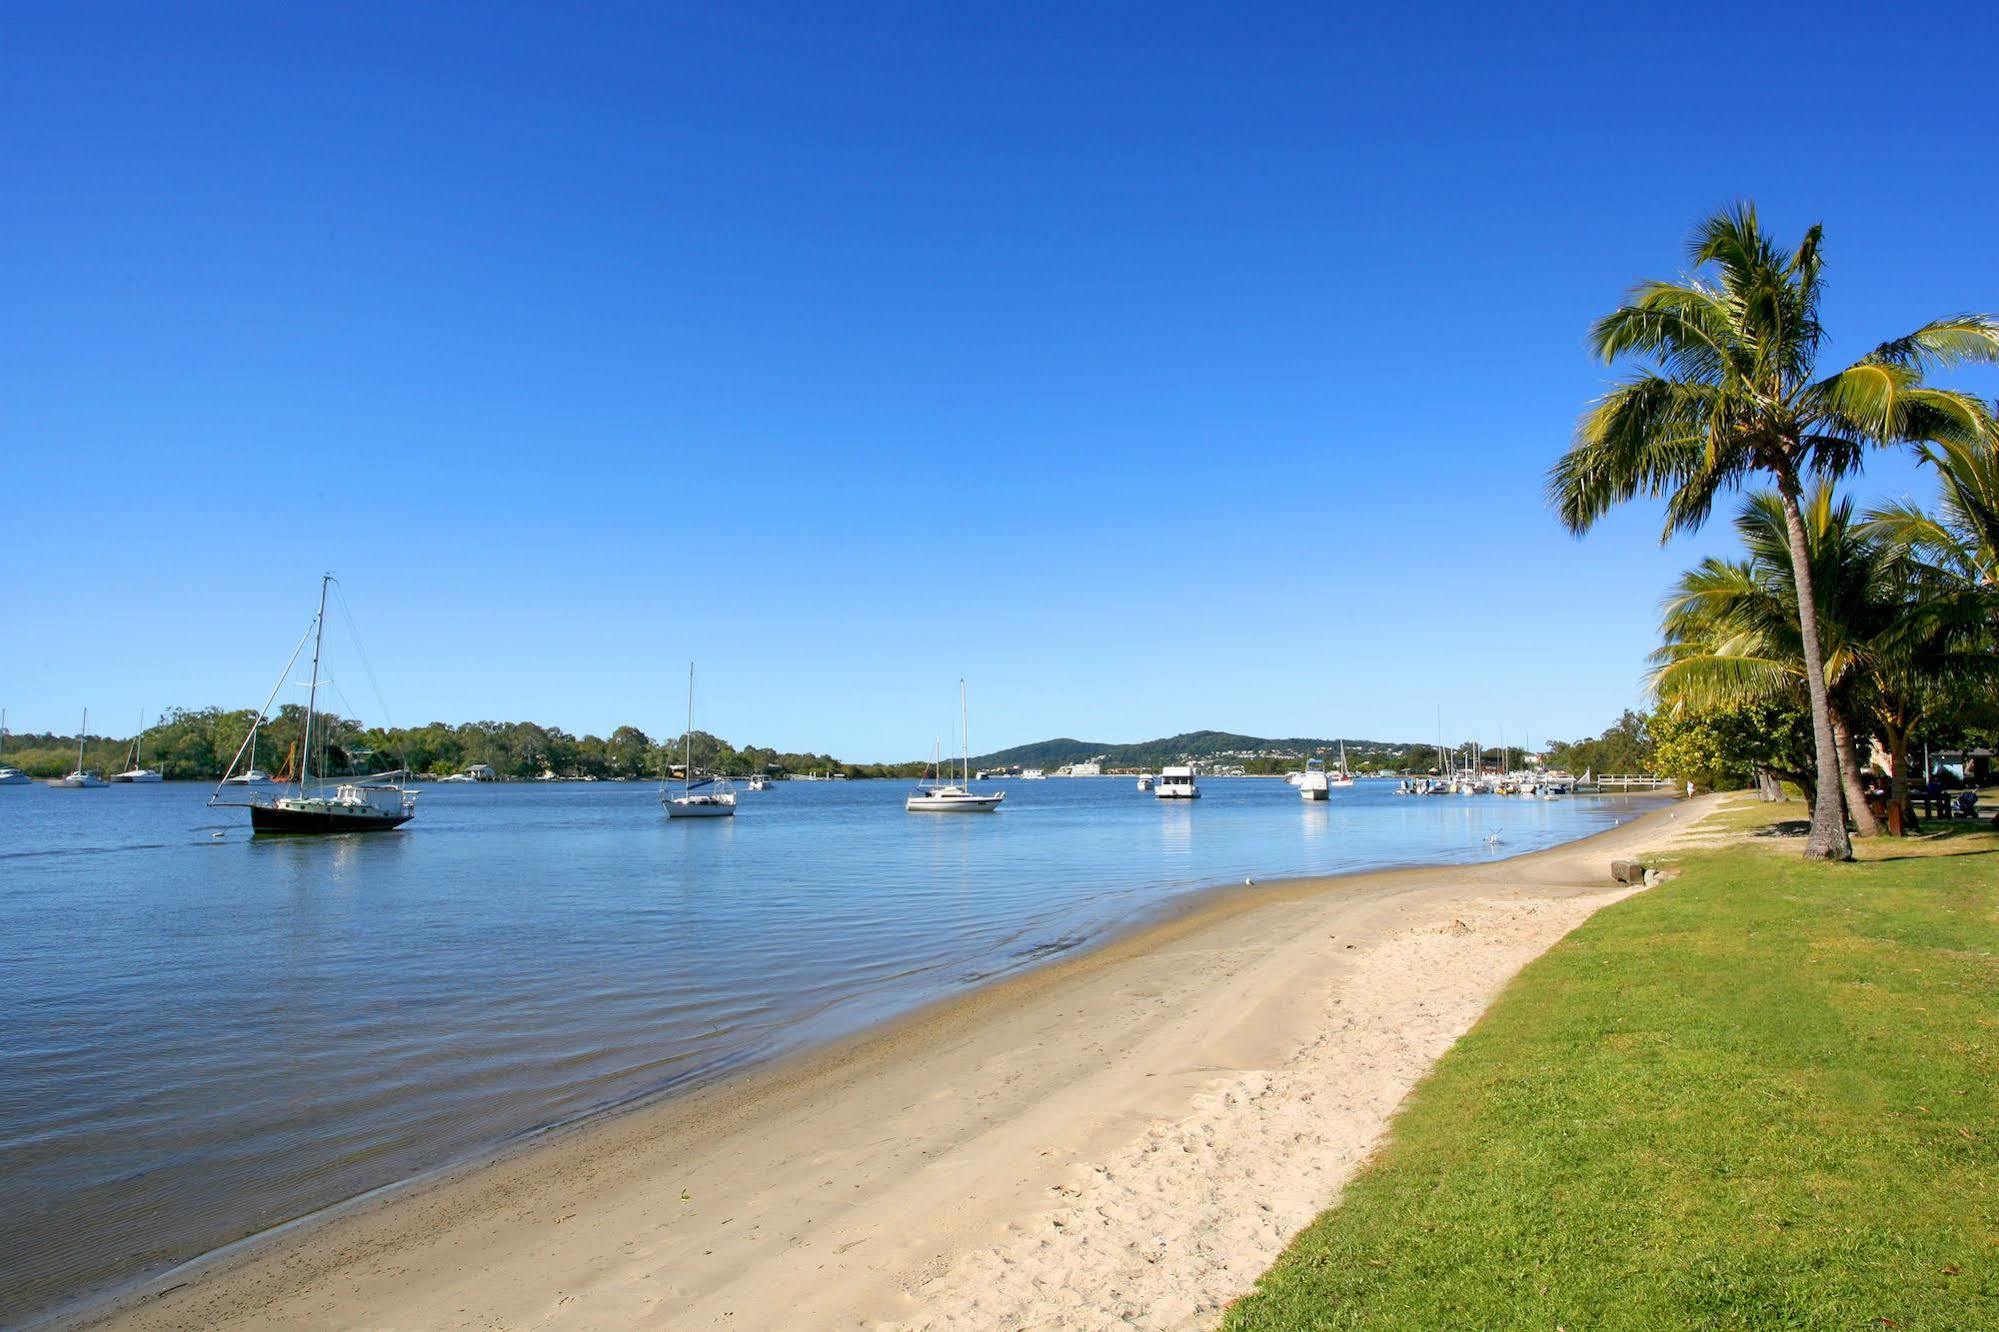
1960,339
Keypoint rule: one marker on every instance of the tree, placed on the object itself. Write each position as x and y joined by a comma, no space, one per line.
1897,641
1728,390
1724,746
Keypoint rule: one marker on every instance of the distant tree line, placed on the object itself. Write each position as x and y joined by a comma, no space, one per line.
198,744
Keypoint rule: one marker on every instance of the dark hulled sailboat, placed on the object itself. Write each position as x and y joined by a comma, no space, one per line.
369,804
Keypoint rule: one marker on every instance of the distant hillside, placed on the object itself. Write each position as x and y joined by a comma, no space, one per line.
1196,745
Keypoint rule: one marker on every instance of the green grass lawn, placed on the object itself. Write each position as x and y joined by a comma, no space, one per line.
1762,1095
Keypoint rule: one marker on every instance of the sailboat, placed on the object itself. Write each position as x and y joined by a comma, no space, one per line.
1344,777
138,772
958,798
252,775
10,776
82,779
707,798
368,804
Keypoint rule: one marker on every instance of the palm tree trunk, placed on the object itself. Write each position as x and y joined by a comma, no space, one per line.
1898,771
1827,840
1850,784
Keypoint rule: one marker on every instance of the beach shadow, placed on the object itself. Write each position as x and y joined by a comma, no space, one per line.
1786,828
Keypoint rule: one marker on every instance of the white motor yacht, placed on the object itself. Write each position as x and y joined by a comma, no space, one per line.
1176,784
1313,783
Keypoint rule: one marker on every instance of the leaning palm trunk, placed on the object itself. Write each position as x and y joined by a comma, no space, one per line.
1827,840
1850,783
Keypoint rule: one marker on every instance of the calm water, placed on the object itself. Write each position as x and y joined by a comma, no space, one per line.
202,1037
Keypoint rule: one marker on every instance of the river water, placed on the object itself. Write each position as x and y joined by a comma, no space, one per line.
203,1036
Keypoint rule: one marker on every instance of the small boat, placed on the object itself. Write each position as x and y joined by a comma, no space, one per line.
1344,777
250,776
1294,778
759,783
1314,783
82,779
707,798
957,798
1176,784
366,804
1145,781
10,776
138,772
1033,775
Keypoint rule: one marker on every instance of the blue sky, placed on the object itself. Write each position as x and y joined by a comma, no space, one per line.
1154,367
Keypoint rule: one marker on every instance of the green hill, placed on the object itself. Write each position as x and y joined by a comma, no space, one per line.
1203,746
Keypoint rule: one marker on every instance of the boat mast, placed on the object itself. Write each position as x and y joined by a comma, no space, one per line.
312,693
965,725
79,739
687,759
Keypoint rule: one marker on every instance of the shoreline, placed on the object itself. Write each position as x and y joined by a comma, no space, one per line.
687,1132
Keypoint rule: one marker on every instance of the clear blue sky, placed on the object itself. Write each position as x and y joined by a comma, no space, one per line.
851,350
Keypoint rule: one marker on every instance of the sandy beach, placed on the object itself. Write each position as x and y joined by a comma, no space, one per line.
1123,1139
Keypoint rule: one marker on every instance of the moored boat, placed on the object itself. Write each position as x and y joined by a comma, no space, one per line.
367,804
956,797
1314,783
83,779
10,776
1176,784
138,772
707,798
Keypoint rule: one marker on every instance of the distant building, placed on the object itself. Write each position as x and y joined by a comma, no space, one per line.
482,772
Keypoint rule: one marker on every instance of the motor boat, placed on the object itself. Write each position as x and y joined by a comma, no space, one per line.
1145,781
1313,783
1176,784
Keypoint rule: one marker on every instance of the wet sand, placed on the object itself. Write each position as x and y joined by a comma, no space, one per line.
1124,1138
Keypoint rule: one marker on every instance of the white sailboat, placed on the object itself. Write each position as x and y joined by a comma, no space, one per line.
138,772
10,776
1344,777
705,799
369,804
82,779
956,798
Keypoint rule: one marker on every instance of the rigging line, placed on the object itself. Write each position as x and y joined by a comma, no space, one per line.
263,711
354,635
367,668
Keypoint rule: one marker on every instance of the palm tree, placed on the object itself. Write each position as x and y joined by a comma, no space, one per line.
1961,539
1729,391
1898,642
